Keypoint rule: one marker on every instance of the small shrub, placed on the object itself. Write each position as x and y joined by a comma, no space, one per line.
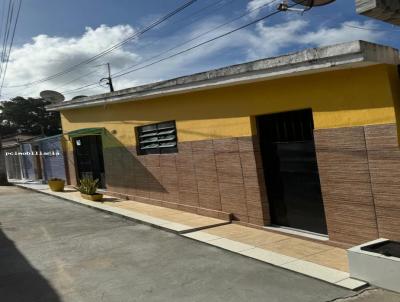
88,186
56,179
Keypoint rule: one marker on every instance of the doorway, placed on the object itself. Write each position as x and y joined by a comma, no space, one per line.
291,170
89,158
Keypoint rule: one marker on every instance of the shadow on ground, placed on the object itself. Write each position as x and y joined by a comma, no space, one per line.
19,280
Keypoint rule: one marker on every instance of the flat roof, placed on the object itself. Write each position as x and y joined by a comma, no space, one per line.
313,60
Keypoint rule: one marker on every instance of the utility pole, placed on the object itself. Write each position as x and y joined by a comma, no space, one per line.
109,79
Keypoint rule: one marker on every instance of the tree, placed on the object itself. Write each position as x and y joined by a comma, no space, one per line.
28,116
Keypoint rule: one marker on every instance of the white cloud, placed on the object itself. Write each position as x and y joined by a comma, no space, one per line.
344,33
254,4
298,34
45,55
269,40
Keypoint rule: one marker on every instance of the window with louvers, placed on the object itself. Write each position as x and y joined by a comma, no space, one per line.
157,138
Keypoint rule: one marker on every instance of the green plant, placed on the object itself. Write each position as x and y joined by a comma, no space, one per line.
88,186
56,179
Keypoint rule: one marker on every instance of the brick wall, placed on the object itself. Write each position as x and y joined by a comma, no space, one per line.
359,172
346,185
210,177
384,163
359,179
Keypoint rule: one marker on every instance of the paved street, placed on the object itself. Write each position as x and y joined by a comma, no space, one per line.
51,250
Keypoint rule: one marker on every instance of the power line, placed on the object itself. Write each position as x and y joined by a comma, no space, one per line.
201,10
198,36
218,5
347,24
110,49
78,78
5,36
80,88
7,28
4,73
198,12
205,8
119,74
202,43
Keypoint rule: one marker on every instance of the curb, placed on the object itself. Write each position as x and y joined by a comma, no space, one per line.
231,246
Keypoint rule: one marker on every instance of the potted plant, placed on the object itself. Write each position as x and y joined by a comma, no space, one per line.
56,184
88,188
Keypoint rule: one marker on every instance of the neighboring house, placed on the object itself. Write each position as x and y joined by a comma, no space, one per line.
15,164
306,141
384,10
33,158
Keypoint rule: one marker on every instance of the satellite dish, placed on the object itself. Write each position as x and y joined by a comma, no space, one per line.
79,97
52,96
311,3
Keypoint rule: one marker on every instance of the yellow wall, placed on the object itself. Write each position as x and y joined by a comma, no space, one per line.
339,99
395,86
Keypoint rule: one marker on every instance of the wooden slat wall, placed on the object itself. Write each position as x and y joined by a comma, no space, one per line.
384,161
360,179
209,177
346,185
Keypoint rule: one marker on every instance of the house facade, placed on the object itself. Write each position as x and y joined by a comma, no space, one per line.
16,164
384,10
35,158
306,141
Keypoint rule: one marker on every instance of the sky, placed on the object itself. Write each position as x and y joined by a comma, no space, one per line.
53,35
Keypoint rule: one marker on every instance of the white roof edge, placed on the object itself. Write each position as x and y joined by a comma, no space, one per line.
344,55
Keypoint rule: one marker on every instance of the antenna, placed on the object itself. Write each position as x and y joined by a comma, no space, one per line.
309,4
52,96
79,97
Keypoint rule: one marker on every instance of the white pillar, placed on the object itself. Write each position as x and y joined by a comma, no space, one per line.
384,10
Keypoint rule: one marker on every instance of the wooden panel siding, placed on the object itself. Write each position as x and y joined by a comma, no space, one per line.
360,180
359,172
220,178
384,162
346,186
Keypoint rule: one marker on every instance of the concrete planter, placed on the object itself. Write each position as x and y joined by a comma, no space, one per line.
377,269
56,185
94,197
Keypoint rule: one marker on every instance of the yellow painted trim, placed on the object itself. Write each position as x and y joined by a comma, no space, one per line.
342,98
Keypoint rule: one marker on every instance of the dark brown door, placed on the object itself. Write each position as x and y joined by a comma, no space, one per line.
89,158
291,170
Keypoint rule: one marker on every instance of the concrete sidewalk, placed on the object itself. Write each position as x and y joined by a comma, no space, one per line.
55,251
317,260
168,219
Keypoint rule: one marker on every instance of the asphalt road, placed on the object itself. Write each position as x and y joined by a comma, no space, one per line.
52,250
